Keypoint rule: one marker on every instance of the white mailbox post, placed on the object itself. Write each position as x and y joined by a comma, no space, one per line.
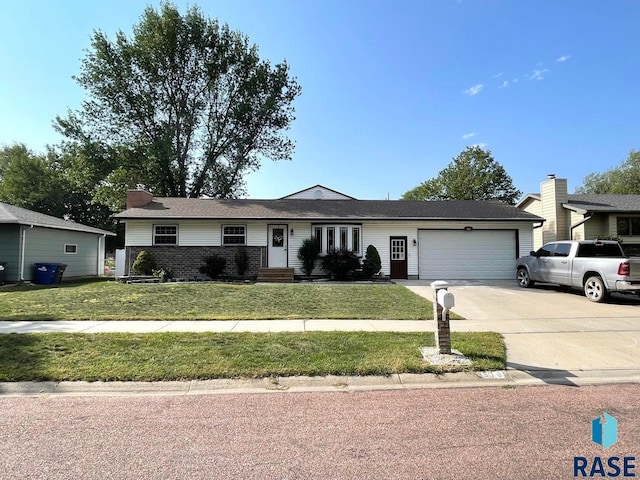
443,300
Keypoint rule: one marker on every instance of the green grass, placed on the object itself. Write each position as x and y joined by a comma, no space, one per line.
182,356
110,300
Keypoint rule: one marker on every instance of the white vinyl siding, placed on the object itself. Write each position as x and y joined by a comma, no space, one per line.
193,233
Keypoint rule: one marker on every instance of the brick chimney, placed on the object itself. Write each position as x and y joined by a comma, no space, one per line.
138,198
553,193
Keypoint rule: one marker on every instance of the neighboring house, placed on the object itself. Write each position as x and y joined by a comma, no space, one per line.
28,237
583,217
415,239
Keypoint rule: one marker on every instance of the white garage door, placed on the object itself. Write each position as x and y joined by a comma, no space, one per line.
461,255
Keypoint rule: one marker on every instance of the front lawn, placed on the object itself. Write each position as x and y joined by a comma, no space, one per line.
185,356
110,300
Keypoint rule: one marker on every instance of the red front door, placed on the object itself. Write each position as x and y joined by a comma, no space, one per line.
398,252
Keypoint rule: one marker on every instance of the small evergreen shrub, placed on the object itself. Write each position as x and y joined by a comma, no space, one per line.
144,263
308,253
214,266
371,264
164,274
242,260
342,264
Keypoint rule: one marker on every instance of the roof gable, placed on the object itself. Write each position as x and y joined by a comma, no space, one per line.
318,192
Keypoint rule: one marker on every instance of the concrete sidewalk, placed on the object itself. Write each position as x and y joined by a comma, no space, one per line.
153,326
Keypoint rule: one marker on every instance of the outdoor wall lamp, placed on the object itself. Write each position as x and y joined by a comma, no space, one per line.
415,242
292,232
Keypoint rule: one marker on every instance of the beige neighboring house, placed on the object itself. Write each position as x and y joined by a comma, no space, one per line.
583,216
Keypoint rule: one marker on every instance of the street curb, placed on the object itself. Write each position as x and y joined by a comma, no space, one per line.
300,384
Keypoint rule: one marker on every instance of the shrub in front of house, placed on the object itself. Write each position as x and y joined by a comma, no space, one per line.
341,264
241,259
307,254
214,266
144,263
372,263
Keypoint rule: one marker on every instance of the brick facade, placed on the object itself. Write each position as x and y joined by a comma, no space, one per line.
185,262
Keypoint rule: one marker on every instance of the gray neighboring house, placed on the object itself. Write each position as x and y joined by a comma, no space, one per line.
415,239
28,237
583,216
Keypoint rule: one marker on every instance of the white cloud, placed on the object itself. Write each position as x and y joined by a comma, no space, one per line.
504,84
563,58
476,89
498,75
468,135
539,74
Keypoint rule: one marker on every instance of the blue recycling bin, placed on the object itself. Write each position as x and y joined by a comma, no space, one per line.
46,273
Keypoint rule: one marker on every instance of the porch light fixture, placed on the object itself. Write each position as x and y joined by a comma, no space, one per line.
292,232
468,229
415,242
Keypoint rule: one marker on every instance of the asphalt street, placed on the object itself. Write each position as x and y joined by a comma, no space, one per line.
465,433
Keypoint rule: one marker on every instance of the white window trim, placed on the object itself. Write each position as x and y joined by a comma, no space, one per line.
165,235
226,225
75,248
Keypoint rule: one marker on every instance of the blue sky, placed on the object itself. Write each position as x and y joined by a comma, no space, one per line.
391,90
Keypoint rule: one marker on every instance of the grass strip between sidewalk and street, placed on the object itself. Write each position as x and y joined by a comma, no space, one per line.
185,356
110,300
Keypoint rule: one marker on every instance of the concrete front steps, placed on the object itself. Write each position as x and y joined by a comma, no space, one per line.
275,275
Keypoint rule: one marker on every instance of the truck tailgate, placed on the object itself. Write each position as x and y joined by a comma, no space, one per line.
635,269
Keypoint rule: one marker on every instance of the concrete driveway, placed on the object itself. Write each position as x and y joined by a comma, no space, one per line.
548,330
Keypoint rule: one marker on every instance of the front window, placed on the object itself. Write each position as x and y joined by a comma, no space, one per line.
338,237
331,239
165,234
628,226
234,235
355,239
70,248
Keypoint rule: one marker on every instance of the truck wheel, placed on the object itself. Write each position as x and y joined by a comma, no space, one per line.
595,290
524,280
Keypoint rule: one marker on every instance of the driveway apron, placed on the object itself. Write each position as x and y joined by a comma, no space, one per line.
547,328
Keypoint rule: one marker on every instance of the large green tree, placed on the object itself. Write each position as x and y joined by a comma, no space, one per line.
186,105
623,179
58,183
29,181
472,175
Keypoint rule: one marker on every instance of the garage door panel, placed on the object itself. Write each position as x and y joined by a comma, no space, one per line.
467,255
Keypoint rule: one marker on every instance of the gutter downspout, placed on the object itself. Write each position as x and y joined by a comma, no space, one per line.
576,225
23,235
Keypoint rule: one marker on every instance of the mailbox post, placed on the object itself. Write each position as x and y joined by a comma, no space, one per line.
443,300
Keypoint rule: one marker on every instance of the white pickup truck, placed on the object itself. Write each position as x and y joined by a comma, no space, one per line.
596,266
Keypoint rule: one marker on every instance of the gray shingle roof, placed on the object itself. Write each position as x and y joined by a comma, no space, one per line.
22,216
604,203
299,209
